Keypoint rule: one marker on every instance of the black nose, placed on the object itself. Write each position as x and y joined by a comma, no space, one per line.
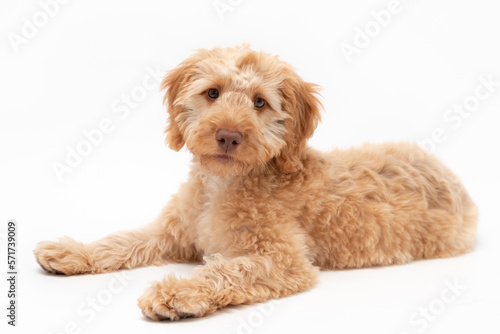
228,140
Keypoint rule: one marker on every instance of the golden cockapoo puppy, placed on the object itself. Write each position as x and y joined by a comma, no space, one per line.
262,210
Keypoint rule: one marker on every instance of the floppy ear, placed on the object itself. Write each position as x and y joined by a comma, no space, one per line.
301,102
174,82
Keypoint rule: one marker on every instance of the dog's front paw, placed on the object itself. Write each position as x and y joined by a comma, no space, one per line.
175,299
65,256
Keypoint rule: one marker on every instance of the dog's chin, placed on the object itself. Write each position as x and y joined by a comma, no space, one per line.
223,165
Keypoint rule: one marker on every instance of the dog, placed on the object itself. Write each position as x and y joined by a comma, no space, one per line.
263,211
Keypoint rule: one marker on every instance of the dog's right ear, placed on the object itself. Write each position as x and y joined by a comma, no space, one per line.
175,83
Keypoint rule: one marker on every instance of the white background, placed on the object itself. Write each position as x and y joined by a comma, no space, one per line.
67,76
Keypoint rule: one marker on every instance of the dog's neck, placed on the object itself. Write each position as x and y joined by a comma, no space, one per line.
210,179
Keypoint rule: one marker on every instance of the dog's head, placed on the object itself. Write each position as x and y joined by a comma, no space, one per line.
236,109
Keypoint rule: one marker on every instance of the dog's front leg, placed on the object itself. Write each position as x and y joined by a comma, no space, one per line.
270,272
159,242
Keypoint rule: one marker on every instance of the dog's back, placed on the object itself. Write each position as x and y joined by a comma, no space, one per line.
385,203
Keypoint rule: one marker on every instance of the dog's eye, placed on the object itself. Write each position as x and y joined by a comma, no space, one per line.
259,102
213,93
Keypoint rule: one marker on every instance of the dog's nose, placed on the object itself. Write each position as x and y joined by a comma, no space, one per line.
228,140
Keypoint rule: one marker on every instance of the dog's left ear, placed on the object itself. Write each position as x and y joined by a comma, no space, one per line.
174,83
300,100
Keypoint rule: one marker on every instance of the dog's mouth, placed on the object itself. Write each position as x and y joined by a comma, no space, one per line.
224,158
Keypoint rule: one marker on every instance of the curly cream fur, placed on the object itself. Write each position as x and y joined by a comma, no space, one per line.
267,218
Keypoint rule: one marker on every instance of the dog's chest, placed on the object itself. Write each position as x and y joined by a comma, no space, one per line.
212,223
